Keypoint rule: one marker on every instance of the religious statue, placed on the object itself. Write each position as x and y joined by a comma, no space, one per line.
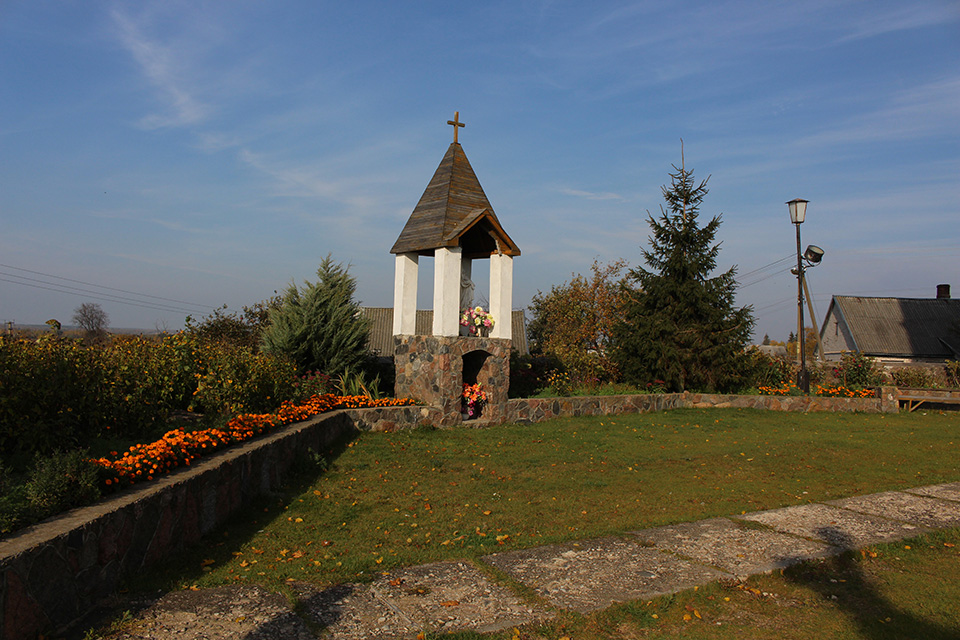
466,292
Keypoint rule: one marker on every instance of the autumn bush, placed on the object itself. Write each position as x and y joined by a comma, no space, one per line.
573,323
952,372
60,393
857,370
913,377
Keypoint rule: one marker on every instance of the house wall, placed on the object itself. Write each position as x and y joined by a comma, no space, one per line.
835,336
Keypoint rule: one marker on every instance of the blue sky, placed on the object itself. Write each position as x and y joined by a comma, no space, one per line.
208,153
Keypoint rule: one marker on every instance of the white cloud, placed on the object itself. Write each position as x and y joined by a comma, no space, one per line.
158,63
932,109
900,18
591,195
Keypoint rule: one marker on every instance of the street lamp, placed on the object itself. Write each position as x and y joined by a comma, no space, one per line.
798,212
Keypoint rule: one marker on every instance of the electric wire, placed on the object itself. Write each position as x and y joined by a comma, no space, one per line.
106,297
90,284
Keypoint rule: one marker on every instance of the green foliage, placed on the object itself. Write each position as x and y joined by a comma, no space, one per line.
13,501
857,370
357,384
59,392
767,371
60,481
679,325
528,373
319,326
239,329
237,381
558,384
57,481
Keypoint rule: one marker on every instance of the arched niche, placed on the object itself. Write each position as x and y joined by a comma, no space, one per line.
473,362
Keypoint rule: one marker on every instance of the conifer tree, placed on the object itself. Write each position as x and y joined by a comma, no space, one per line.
680,326
320,326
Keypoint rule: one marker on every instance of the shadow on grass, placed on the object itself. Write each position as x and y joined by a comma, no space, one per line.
842,582
219,547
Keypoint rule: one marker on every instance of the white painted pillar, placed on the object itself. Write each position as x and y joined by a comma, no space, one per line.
405,294
501,295
446,291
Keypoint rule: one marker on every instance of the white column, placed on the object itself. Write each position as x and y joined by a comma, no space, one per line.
446,291
501,295
405,294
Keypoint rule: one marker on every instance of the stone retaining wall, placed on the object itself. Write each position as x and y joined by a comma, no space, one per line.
55,572
527,410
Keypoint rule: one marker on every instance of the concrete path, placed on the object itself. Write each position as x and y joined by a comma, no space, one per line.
580,576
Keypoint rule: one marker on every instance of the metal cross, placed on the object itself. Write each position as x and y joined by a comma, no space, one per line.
456,124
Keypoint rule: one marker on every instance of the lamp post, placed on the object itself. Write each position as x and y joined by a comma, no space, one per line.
798,212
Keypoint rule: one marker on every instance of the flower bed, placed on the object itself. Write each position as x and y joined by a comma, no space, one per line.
178,447
831,391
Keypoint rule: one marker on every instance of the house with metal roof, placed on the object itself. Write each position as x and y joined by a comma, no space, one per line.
894,330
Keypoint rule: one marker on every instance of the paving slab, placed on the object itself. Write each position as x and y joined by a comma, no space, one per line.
353,612
595,574
949,491
908,507
251,613
736,548
442,596
835,526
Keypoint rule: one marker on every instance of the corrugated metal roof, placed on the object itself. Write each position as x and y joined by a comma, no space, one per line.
381,329
917,327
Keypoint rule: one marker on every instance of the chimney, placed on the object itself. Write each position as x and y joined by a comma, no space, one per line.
943,292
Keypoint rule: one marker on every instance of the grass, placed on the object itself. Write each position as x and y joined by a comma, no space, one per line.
383,501
386,500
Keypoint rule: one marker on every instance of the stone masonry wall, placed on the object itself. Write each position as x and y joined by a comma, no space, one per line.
527,410
430,369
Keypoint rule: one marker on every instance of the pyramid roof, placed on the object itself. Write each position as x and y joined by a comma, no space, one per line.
454,212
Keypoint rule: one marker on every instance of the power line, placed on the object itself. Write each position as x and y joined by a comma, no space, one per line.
99,286
766,266
96,295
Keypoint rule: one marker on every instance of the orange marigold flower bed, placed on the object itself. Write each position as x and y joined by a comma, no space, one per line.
179,448
840,391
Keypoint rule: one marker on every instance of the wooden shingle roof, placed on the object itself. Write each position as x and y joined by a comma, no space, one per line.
902,327
454,212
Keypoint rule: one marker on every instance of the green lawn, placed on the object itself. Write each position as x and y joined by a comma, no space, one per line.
386,500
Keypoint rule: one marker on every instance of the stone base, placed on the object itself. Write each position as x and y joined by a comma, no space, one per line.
433,369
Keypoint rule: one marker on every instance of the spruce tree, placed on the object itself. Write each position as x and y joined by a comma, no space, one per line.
680,326
320,326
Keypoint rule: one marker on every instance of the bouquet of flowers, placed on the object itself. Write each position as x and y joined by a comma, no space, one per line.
472,400
476,320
